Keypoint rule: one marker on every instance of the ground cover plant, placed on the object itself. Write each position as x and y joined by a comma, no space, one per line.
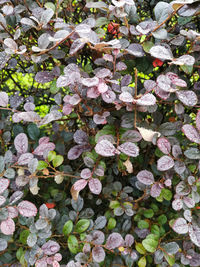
99,133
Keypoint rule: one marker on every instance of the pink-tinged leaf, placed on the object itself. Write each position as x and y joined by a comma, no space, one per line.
3,99
44,140
79,185
25,158
129,149
176,151
109,96
74,100
7,227
86,173
99,119
21,143
41,262
164,83
187,97
126,97
145,177
95,186
80,137
102,87
93,92
194,233
44,147
155,190
27,209
29,116
67,109
103,73
180,226
98,254
121,66
161,93
90,82
51,247
114,240
12,212
189,202
198,120
175,79
165,163
55,264
191,133
2,200
4,183
146,100
177,204
105,148
164,145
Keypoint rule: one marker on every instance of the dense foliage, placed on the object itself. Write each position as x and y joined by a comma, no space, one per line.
99,133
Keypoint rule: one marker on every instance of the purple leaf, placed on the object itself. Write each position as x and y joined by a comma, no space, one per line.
189,202
198,120
121,66
180,226
129,149
165,163
187,97
7,227
114,240
29,116
27,209
44,140
2,200
51,247
98,254
44,147
164,83
98,237
194,233
80,184
93,92
76,151
74,100
109,96
12,212
3,99
4,183
146,100
67,109
21,143
135,50
25,158
105,148
149,85
155,190
161,93
129,240
184,60
131,136
103,73
44,77
95,186
86,173
145,177
80,137
164,145
176,151
191,133
77,45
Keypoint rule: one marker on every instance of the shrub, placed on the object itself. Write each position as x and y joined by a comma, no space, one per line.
100,133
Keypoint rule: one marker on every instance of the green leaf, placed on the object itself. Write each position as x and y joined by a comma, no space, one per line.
72,243
166,193
41,165
155,230
140,248
162,219
67,228
51,155
19,253
53,88
169,258
142,262
57,161
82,225
148,213
147,46
23,236
33,131
101,21
111,223
143,224
114,204
150,244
